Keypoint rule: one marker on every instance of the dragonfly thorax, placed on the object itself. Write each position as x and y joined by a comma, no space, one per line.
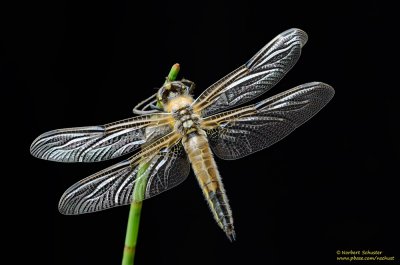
186,121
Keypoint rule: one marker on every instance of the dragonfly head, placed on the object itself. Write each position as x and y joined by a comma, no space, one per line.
171,90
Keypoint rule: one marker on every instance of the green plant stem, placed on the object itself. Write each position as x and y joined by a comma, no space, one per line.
132,229
131,233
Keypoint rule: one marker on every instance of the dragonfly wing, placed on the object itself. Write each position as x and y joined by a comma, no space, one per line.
98,143
238,133
256,77
163,167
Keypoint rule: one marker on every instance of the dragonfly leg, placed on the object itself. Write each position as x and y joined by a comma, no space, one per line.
190,84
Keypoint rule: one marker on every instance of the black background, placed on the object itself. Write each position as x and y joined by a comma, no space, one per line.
329,186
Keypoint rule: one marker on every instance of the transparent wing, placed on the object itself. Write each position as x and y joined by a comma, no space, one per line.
97,143
164,165
256,77
238,133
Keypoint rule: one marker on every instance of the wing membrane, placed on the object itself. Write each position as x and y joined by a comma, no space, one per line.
257,76
238,133
166,165
98,143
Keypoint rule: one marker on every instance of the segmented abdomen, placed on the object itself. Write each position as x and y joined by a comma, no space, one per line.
205,169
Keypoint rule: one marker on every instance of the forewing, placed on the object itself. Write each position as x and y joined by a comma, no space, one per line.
256,77
238,133
98,143
156,172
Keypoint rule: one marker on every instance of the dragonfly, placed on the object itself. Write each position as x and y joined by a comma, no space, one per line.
185,133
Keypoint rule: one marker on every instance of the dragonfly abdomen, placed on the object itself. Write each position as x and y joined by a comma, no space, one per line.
207,174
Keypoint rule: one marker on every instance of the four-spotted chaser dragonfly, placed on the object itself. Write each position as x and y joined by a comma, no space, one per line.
184,132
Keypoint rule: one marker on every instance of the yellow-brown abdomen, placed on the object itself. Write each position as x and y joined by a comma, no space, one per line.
205,169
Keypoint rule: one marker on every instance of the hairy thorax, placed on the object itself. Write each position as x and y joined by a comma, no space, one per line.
186,121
